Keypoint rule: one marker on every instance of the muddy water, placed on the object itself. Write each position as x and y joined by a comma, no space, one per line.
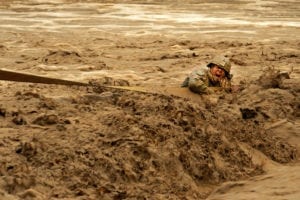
234,19
266,21
147,44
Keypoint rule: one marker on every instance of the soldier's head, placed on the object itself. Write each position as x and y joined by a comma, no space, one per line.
220,66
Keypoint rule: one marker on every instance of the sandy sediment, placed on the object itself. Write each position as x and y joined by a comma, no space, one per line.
126,144
74,142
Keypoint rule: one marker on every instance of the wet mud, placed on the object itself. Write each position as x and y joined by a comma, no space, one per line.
155,140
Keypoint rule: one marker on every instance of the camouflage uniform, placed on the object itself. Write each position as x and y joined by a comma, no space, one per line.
202,81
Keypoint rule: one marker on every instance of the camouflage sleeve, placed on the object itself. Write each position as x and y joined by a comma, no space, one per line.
226,84
198,81
185,83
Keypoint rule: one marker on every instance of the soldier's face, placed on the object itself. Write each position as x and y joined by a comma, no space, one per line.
217,72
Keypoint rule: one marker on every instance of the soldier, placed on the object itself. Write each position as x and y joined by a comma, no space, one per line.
216,77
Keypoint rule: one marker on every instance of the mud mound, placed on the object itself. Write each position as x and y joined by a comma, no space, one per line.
133,145
62,56
71,57
272,78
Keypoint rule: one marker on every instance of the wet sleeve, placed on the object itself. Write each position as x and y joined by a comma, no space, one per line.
185,83
198,81
226,84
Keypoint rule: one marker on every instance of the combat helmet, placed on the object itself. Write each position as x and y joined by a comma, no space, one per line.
223,63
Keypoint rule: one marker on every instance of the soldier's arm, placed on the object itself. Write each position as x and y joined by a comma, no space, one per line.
226,84
198,82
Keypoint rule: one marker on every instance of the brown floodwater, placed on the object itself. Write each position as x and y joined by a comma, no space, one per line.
232,19
252,20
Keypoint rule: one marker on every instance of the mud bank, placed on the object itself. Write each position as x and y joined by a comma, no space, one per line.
113,144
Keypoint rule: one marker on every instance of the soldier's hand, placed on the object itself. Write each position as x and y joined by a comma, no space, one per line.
235,88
